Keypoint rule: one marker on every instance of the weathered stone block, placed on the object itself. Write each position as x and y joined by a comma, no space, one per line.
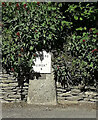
14,96
13,84
24,93
86,99
73,98
75,90
60,98
1,97
26,88
65,94
89,93
26,84
7,88
4,78
61,90
93,100
75,94
10,99
96,98
7,85
42,91
58,84
4,101
8,81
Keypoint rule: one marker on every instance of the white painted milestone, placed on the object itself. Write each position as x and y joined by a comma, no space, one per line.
42,63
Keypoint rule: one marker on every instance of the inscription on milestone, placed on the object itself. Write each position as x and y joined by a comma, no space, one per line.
42,62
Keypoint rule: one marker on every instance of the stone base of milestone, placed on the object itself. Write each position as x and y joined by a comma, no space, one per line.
42,91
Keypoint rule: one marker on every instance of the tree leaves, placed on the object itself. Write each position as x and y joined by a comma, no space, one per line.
35,24
76,17
31,47
85,61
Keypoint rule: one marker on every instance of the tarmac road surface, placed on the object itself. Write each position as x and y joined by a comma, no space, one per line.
23,110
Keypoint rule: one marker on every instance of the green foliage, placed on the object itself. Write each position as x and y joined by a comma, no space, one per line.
29,27
85,52
82,43
82,15
61,67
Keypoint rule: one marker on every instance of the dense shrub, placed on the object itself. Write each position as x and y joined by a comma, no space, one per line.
27,28
82,35
62,28
85,51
